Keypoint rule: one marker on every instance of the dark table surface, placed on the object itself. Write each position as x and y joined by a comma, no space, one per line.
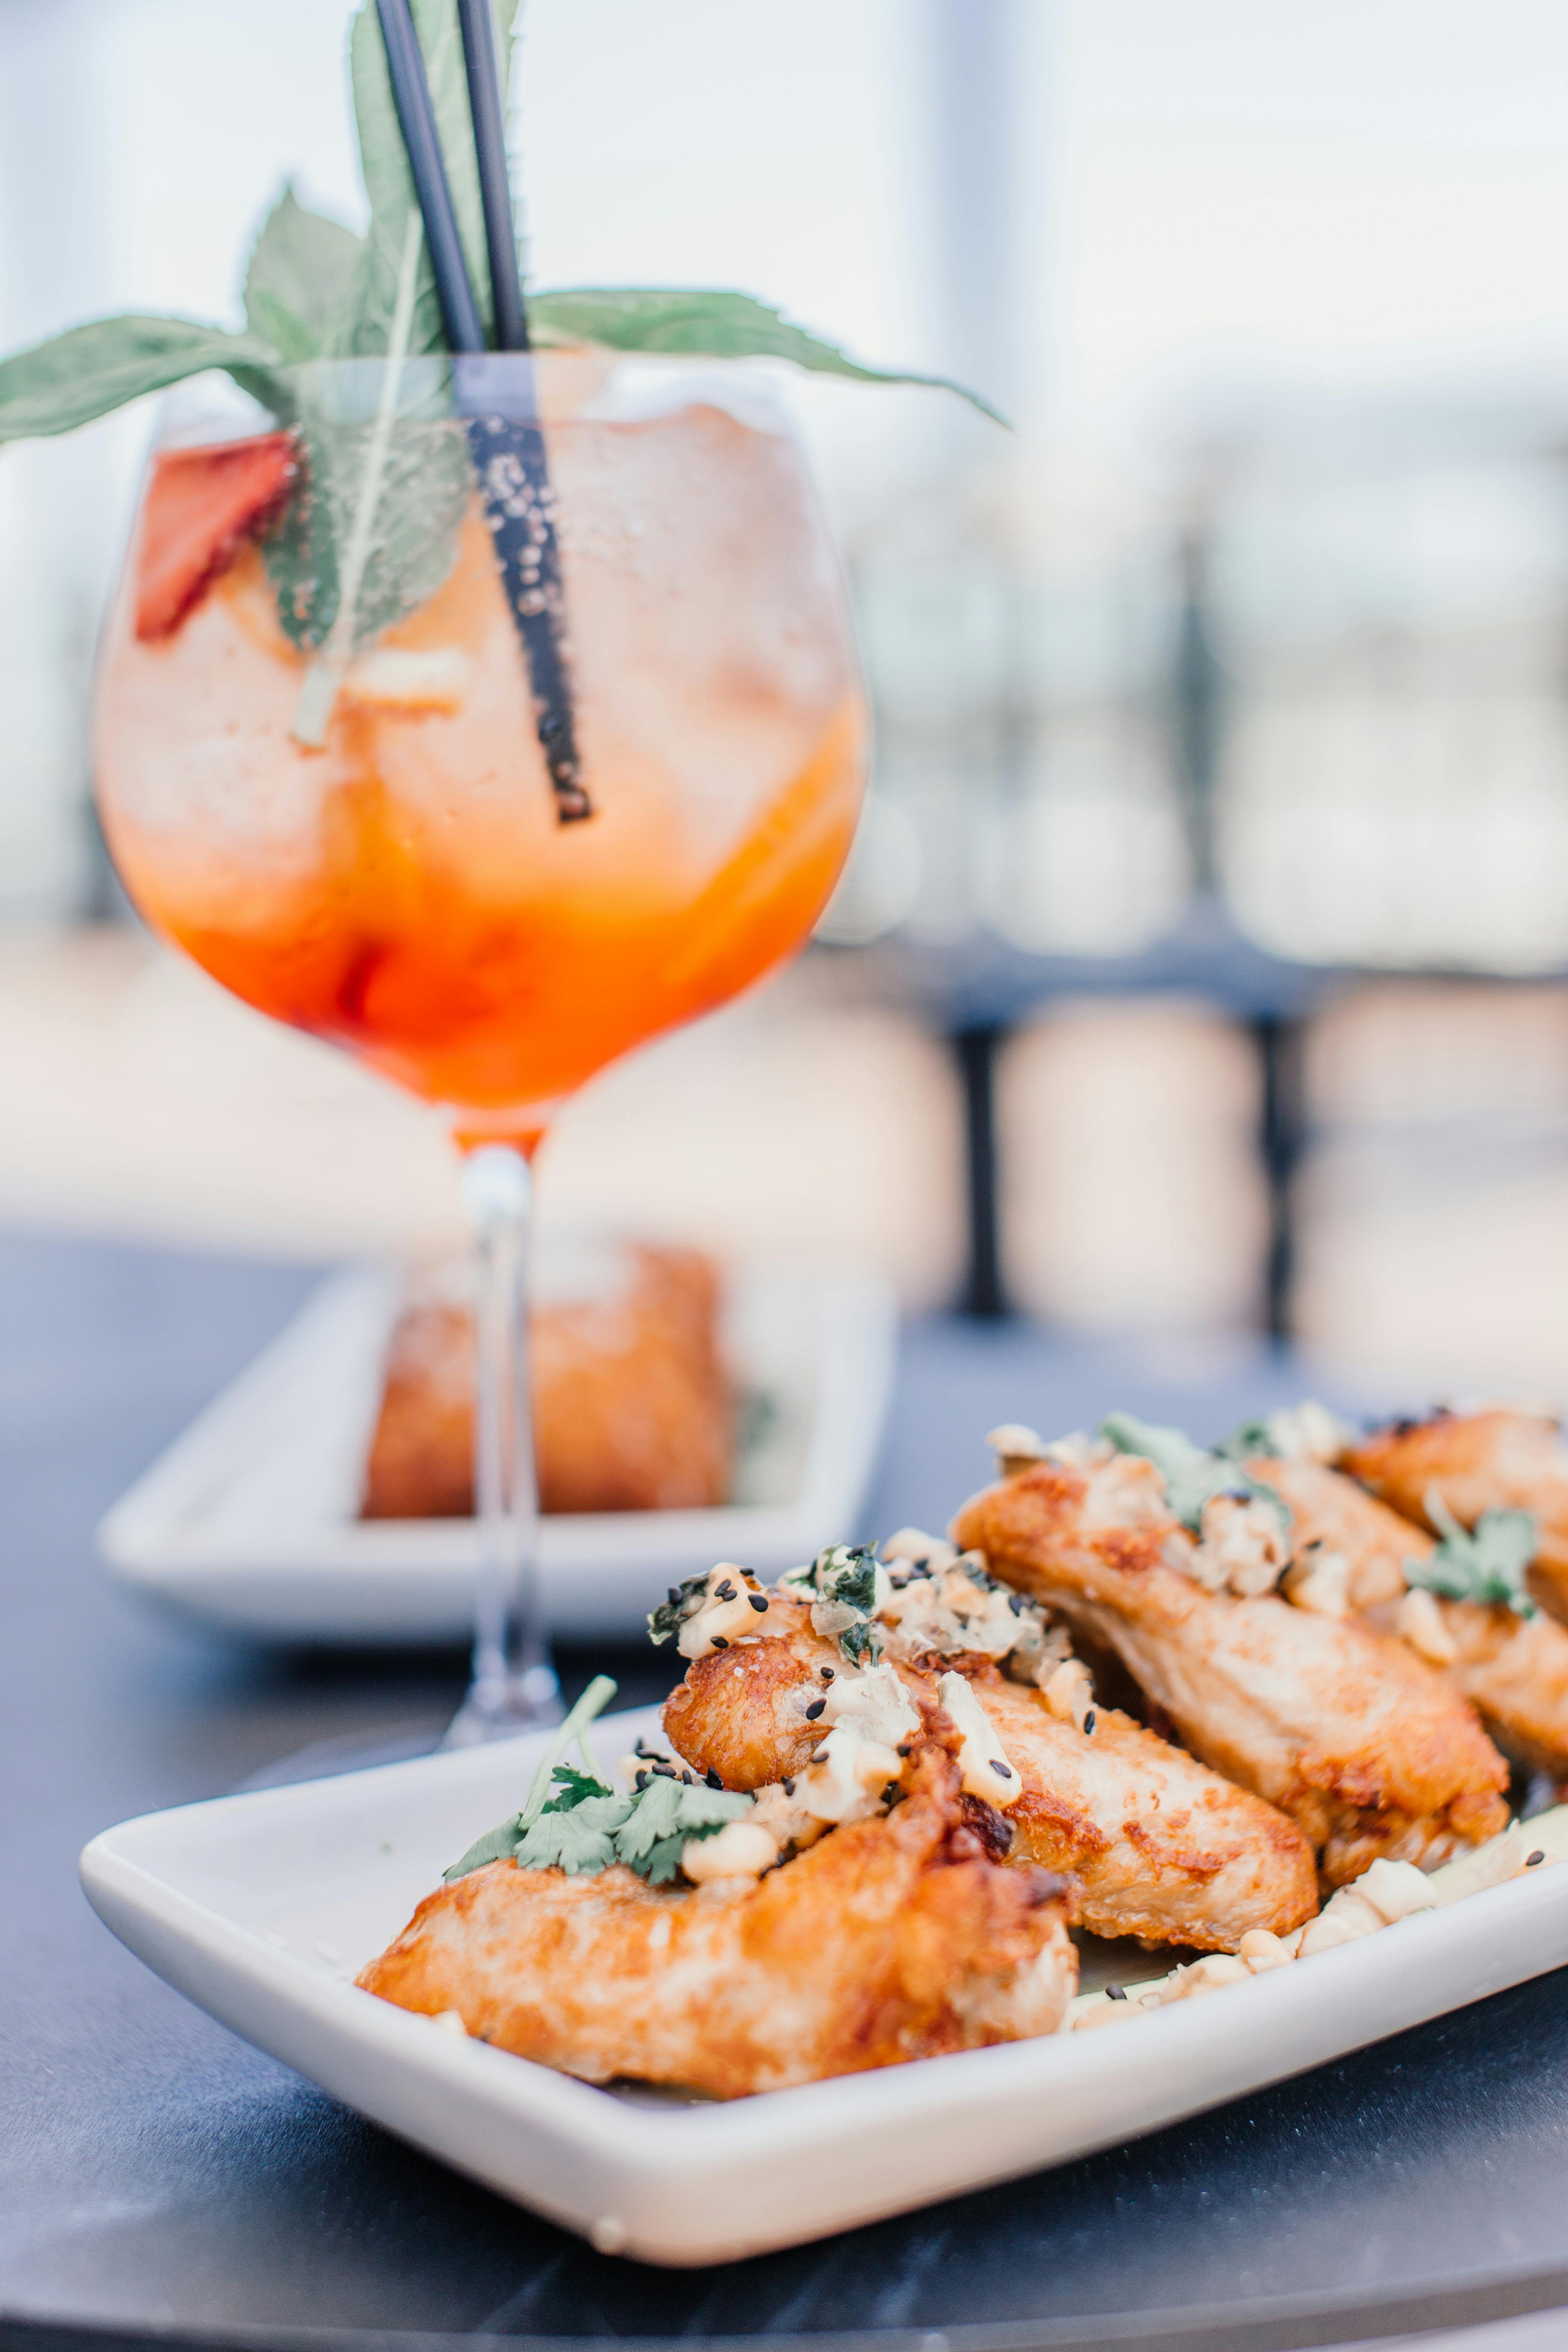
160,2179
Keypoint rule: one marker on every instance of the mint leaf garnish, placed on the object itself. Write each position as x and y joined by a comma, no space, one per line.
298,279
1488,1563
1191,1475
707,323
90,371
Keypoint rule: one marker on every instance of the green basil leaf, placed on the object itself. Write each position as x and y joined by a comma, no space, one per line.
84,374
708,323
299,278
390,185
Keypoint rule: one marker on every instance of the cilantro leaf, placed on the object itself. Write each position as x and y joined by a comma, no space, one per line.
1249,1437
1488,1563
576,1839
574,1788
496,1845
667,1812
1191,1475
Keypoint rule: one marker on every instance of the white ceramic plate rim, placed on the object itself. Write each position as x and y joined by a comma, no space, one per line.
682,2185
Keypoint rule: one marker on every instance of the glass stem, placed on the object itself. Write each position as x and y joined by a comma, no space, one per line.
514,1686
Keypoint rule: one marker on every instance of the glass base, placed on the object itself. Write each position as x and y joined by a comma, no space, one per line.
500,1710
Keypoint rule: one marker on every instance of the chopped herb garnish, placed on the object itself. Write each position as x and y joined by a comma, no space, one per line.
1488,1564
496,1844
577,1837
1192,1477
572,1788
1247,1437
666,1814
684,1602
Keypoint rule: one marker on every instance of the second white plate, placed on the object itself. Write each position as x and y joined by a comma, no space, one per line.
249,1519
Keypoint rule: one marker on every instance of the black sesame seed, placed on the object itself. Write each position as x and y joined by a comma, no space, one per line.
815,1709
759,1602
1003,1771
1532,1859
820,1757
689,1778
665,1769
1114,1993
904,1747
712,1778
674,1596
789,1787
719,1642
1088,1722
642,1748
725,1591
826,1672
643,1778
1016,1604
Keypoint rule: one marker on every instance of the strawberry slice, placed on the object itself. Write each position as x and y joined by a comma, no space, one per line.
201,505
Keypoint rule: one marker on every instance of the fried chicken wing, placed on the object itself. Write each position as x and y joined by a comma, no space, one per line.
1366,1748
1165,1848
1497,1460
894,1938
1512,1669
1328,1509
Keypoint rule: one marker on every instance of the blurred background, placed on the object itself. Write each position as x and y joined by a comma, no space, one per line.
1201,968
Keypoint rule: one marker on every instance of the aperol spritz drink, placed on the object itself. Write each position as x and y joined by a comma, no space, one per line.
353,827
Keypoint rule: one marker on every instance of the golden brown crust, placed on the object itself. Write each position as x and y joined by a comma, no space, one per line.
632,1409
1364,1746
1327,1508
740,1712
1165,1848
1497,1460
894,1939
1514,1670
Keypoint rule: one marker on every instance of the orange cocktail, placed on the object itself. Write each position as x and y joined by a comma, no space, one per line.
406,888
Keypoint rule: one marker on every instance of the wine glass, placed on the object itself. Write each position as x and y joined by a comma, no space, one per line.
319,766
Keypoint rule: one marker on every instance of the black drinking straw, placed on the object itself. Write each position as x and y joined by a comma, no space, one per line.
495,186
508,450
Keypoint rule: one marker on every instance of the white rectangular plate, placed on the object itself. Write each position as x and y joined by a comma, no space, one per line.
262,1907
249,1519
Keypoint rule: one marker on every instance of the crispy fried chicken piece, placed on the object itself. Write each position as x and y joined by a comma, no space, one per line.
1364,1746
895,1939
1165,1848
1499,1460
1512,1669
632,1409
1329,1509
